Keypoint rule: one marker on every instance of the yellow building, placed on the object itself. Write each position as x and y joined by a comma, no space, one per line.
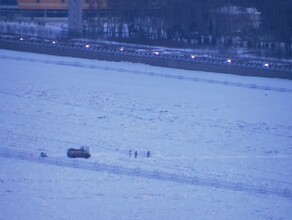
60,4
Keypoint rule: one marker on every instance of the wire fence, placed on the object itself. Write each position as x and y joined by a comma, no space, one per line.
154,74
147,174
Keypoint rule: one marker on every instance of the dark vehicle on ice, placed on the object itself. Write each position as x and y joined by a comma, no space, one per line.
83,152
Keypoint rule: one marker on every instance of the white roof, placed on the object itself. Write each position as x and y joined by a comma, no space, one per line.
236,10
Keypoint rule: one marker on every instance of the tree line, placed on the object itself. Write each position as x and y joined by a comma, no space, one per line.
193,21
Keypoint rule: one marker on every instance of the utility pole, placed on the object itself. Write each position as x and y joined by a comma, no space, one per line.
75,20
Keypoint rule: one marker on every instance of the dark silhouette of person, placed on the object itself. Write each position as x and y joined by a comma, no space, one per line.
148,154
130,153
43,154
136,154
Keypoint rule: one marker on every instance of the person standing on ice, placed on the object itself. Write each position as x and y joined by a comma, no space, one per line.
130,153
136,154
148,154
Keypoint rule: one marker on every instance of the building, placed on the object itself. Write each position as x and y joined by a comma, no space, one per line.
234,20
60,4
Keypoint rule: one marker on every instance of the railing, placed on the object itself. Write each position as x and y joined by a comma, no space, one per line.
153,74
148,174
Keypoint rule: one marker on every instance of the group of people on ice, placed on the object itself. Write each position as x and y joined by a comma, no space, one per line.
136,154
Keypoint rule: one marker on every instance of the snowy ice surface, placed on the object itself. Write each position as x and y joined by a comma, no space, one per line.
192,123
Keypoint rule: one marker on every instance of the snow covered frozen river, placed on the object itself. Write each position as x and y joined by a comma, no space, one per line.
223,128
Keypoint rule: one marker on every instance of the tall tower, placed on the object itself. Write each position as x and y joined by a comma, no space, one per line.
75,21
